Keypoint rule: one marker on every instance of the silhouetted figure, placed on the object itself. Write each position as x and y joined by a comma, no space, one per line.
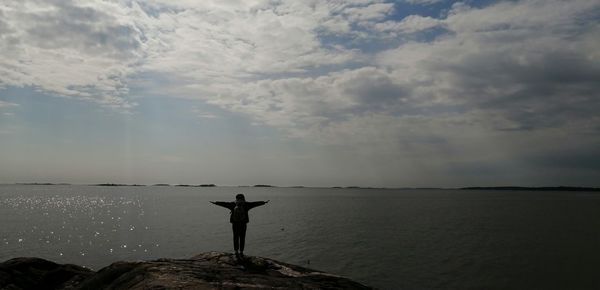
238,219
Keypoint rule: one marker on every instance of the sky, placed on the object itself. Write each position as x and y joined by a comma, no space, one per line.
407,93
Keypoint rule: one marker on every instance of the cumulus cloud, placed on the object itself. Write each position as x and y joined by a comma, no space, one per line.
225,44
69,48
92,50
524,71
527,68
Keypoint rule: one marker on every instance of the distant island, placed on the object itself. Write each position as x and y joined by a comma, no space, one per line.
198,185
541,188
158,184
42,183
263,185
117,184
360,187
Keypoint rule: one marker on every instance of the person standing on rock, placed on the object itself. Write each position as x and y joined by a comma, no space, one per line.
239,219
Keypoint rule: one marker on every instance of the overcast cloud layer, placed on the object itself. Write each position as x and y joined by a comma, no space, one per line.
497,91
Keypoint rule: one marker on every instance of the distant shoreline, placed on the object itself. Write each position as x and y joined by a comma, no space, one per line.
500,188
541,188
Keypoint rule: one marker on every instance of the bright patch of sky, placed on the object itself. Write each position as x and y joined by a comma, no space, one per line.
357,92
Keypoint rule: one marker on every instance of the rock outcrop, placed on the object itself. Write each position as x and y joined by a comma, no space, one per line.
212,270
36,273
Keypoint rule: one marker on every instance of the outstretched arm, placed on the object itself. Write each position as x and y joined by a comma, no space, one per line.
254,204
225,204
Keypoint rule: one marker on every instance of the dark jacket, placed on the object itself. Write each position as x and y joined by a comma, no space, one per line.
246,205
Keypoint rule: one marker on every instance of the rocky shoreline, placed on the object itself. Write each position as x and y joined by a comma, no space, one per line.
211,270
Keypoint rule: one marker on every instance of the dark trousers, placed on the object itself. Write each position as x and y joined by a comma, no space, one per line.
239,236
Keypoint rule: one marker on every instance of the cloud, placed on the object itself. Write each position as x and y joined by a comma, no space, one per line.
423,2
69,48
375,11
4,104
409,24
204,115
500,73
529,69
333,72
224,45
96,50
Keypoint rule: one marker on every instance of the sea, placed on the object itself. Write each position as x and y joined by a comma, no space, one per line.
384,238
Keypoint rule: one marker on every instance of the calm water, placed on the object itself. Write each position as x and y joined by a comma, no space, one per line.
400,239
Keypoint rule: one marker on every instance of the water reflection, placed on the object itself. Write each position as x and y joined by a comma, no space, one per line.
76,225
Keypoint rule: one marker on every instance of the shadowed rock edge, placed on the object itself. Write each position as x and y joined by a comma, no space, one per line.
211,270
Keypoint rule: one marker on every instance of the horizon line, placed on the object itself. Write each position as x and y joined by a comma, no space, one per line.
496,187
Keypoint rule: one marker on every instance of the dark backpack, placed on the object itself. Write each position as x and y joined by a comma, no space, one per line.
238,214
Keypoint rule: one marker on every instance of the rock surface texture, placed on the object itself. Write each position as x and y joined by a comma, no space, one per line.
212,270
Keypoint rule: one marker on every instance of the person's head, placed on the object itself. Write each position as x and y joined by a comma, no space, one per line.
240,197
